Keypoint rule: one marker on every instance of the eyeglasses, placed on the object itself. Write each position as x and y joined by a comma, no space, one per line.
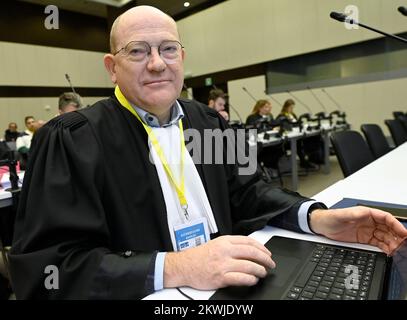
169,50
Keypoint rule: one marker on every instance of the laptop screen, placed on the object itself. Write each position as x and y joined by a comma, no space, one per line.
397,286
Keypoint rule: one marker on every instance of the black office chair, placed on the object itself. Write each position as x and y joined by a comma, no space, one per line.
352,151
376,140
398,133
403,120
397,114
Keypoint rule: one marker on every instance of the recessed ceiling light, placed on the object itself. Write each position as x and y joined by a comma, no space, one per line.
186,4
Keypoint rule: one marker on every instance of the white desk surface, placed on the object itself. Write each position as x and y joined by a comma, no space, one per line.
5,196
384,180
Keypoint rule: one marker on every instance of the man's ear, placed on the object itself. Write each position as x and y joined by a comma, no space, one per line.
211,103
110,66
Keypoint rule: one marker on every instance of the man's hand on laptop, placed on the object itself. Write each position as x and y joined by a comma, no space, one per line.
224,261
360,224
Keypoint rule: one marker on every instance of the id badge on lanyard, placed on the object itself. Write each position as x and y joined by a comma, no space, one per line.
191,234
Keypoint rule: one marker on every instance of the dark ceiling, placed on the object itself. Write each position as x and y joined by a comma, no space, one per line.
174,8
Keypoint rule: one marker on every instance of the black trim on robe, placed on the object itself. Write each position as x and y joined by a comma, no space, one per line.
92,204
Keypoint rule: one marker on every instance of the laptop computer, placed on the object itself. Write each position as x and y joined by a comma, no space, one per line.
309,270
316,271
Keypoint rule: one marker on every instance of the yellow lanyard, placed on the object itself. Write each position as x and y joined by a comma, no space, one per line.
180,188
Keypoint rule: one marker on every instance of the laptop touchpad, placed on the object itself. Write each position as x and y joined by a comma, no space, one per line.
283,271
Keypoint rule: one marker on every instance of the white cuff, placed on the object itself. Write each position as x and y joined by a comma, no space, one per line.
159,271
303,216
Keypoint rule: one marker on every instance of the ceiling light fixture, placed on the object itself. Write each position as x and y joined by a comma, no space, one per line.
186,4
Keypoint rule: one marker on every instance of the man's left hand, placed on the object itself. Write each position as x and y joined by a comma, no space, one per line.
360,224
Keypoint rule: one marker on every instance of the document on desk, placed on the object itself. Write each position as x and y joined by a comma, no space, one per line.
5,180
397,210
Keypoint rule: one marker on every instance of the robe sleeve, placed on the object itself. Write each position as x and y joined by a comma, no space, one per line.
61,223
255,203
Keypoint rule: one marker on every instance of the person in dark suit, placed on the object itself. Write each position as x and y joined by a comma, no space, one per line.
11,134
217,101
103,206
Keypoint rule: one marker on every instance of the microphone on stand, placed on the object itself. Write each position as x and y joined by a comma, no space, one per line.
304,116
340,113
70,83
403,10
320,115
272,98
344,18
249,94
73,90
316,98
332,99
232,107
302,103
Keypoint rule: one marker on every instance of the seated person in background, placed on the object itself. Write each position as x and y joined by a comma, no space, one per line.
269,156
11,134
68,102
23,142
288,111
217,101
308,149
261,110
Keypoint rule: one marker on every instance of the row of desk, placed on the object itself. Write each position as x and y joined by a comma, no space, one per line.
292,137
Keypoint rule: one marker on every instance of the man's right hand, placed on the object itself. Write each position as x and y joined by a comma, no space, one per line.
224,261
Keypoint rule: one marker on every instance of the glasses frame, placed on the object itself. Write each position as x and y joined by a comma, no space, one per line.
149,46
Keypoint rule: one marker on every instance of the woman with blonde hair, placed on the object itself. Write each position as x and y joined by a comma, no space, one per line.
262,109
288,111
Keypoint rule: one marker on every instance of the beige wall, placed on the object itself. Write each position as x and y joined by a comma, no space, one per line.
273,29
15,109
370,102
31,65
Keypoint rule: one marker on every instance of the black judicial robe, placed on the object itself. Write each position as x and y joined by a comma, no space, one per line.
92,205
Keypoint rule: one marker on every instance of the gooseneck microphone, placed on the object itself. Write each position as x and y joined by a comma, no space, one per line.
344,18
70,83
302,103
316,98
231,107
272,98
403,10
332,99
250,95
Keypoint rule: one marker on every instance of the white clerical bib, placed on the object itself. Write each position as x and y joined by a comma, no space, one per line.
198,204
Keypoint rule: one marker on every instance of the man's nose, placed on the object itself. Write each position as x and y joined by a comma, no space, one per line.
156,63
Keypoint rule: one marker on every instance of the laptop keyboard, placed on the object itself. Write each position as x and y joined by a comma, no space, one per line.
335,274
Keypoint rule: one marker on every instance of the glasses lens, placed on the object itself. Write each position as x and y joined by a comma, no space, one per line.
170,50
137,51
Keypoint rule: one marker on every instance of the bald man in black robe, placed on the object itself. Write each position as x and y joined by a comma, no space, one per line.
93,208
